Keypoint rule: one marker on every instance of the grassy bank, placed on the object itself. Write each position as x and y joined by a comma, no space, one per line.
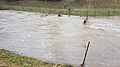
9,59
78,12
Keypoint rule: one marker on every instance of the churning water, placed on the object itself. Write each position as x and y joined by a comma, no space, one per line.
61,39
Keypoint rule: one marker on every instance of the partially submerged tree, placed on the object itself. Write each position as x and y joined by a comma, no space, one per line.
87,12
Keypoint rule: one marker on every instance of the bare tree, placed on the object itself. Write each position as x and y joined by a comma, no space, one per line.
1,4
23,2
115,5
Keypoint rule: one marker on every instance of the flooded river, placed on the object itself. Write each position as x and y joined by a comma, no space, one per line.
61,39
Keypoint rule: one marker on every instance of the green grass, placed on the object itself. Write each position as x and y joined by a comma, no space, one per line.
9,59
78,12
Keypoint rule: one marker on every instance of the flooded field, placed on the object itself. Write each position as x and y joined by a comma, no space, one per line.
61,39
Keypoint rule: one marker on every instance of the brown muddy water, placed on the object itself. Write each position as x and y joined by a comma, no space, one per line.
61,39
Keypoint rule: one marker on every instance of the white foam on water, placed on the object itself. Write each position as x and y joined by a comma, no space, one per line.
105,27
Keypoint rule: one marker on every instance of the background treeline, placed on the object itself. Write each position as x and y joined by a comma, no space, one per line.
59,3
105,1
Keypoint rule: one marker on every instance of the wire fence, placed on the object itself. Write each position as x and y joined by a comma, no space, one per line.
78,8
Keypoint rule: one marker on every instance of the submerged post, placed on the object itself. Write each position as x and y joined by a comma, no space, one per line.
82,65
69,10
